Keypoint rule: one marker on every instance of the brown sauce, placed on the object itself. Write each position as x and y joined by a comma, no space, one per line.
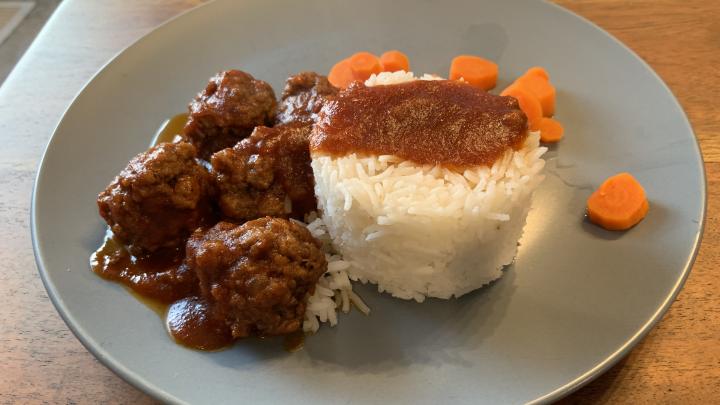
192,323
158,281
170,129
158,277
188,318
440,122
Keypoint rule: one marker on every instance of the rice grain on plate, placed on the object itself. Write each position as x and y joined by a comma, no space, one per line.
334,291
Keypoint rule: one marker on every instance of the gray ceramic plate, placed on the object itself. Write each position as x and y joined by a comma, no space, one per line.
575,301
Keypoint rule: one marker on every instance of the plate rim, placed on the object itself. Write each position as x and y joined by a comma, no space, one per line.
114,365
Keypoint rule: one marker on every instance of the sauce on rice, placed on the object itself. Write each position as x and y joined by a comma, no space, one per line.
442,122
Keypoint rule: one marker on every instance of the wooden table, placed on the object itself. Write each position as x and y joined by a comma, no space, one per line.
679,361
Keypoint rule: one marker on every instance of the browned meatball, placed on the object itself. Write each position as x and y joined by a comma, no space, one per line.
258,275
232,104
158,199
303,97
267,174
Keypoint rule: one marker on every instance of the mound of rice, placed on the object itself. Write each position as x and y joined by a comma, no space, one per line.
416,230
422,230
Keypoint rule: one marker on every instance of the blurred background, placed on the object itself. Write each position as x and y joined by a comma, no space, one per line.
20,22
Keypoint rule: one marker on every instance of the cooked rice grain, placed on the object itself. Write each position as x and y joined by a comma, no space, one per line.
333,291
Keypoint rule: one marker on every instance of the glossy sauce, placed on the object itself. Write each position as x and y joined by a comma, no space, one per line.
170,129
159,276
440,122
192,323
188,318
160,282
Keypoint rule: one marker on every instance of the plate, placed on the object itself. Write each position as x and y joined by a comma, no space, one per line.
575,301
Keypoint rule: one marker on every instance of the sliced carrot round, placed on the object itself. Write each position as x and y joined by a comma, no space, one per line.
541,89
619,203
528,104
392,61
537,71
364,64
475,70
550,130
341,75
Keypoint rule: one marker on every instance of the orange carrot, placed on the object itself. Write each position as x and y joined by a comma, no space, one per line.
475,70
341,75
538,71
618,204
364,64
550,130
392,61
542,90
528,104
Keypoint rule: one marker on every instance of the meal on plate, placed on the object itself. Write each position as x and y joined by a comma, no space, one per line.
257,218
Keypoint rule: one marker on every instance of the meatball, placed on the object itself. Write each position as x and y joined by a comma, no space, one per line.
232,104
267,174
159,199
303,97
257,276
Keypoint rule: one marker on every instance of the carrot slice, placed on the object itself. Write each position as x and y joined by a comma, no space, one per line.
541,89
618,204
364,64
550,130
528,104
475,70
392,61
341,75
537,71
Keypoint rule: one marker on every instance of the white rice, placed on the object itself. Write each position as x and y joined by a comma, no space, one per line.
333,291
421,230
400,76
416,230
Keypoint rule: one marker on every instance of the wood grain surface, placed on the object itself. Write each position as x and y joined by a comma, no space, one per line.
42,362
